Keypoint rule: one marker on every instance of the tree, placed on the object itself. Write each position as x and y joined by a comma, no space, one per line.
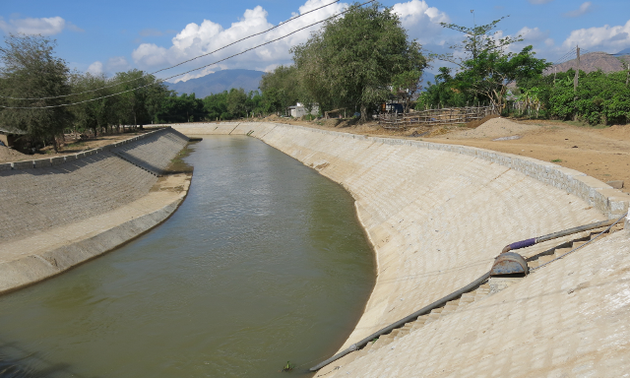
184,108
492,71
31,70
352,61
89,115
485,68
477,40
142,101
280,89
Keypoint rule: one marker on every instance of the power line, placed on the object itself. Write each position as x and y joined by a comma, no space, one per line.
176,65
195,69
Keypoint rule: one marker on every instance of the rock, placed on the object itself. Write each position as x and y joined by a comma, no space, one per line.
617,184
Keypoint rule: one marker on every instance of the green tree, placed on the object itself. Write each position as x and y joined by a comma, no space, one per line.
89,115
601,98
492,71
184,108
353,61
485,68
237,103
477,40
216,106
280,89
31,70
141,102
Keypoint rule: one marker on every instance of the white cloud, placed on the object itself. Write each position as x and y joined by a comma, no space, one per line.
421,21
32,26
583,9
96,68
113,65
118,64
611,38
535,37
197,39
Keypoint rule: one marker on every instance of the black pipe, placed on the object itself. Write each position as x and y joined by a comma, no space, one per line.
403,321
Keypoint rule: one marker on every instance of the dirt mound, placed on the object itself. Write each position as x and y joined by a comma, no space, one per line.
493,128
8,155
476,123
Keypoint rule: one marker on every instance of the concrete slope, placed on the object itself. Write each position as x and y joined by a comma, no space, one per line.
437,216
56,213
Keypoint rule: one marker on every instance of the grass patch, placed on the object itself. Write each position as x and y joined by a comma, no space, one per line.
556,161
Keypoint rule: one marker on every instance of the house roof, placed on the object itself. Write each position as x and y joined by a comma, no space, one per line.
7,130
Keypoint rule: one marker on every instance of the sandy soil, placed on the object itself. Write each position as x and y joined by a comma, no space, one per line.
601,153
71,147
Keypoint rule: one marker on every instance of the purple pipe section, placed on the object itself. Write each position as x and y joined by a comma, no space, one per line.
523,243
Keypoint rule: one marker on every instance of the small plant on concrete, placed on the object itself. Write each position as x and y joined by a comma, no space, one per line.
288,367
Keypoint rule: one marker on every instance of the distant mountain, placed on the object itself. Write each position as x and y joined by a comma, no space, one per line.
247,79
624,52
427,77
218,82
592,62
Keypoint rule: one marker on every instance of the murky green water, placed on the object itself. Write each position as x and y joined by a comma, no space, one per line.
263,263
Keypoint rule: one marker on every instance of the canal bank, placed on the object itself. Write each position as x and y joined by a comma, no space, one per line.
59,212
263,262
437,215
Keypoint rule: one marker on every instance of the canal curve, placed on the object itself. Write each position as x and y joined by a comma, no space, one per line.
264,263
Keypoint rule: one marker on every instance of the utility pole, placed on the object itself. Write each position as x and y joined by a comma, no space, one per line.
577,72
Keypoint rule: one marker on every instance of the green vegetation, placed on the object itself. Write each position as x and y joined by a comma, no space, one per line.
29,69
485,72
355,63
514,83
600,98
352,65
288,367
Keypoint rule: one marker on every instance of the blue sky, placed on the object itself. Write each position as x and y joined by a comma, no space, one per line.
115,35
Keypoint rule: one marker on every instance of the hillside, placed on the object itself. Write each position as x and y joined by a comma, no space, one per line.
218,82
593,61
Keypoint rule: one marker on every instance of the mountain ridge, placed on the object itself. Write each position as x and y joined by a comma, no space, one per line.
218,82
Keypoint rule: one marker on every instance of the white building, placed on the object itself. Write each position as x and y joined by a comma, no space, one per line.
299,110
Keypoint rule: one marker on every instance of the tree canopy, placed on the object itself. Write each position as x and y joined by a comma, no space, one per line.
485,71
31,70
353,61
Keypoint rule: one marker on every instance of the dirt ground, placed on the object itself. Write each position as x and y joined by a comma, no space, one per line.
70,147
603,153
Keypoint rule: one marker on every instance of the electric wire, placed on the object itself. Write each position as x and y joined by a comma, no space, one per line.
189,71
176,65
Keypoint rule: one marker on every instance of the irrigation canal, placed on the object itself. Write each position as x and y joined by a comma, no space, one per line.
264,263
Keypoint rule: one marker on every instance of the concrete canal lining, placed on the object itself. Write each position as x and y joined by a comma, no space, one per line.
57,213
437,215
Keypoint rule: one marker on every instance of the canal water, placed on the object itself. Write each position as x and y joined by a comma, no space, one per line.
263,263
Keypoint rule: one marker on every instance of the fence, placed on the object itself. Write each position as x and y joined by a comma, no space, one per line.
434,117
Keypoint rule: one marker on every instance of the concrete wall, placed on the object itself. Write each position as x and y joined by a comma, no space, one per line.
437,215
61,211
